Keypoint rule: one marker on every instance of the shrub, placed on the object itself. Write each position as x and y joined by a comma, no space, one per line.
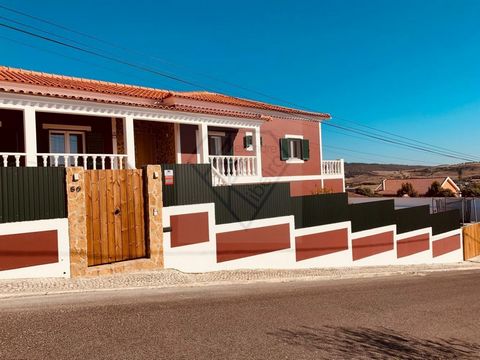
436,190
407,189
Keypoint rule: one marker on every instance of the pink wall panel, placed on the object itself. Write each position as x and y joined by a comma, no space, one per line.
446,245
28,249
189,229
413,245
372,245
313,245
242,243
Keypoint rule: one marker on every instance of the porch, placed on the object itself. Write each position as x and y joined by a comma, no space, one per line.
54,137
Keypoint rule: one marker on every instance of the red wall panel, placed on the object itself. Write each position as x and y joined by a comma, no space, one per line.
189,229
372,245
446,245
310,246
242,243
301,188
28,249
413,245
333,185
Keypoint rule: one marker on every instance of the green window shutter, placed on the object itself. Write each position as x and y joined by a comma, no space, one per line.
305,150
284,149
247,141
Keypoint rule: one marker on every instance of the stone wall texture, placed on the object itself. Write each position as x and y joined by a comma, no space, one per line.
77,226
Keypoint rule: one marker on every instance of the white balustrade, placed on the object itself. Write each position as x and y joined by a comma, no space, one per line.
234,166
332,167
90,161
11,159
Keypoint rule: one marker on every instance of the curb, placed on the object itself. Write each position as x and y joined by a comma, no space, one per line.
285,279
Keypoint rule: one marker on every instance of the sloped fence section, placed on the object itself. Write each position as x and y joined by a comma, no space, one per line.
192,184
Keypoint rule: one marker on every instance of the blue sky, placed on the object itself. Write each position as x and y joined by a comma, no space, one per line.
408,67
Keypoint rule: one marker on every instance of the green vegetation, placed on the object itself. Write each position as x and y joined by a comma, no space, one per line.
436,190
407,189
471,190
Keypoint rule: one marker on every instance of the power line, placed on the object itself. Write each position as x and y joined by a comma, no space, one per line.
226,82
138,67
401,136
372,154
451,154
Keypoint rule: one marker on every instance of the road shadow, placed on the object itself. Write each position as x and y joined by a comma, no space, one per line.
382,343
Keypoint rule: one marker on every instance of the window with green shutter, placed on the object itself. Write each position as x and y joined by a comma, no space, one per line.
305,150
247,141
294,149
284,149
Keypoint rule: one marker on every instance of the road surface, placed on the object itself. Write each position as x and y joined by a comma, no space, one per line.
410,317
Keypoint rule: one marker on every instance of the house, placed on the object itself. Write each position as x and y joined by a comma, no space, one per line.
389,187
54,120
202,182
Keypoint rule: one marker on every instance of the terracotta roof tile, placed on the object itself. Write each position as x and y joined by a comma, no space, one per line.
37,83
421,185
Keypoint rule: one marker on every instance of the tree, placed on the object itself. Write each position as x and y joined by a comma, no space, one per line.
364,191
407,189
471,190
436,190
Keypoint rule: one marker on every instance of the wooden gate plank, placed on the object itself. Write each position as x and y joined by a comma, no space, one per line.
89,219
131,213
110,223
118,217
124,214
139,219
97,248
103,216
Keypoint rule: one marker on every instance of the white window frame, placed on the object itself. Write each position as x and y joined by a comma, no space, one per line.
66,134
293,160
250,147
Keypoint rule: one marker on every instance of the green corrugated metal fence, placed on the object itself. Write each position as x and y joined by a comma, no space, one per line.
32,193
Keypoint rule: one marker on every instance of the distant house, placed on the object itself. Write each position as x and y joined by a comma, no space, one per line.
389,187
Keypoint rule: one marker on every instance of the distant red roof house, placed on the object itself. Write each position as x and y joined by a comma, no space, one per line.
389,187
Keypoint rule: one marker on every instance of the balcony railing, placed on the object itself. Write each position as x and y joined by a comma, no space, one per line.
225,167
87,161
332,167
11,159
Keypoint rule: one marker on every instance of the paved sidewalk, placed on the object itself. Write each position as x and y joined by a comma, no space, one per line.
173,278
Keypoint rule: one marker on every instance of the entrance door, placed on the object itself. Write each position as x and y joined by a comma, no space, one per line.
114,215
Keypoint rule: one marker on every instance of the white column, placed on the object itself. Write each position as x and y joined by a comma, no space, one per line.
342,166
203,137
258,151
114,136
178,144
30,136
129,139
320,146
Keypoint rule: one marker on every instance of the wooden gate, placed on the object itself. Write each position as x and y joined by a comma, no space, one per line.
114,215
471,241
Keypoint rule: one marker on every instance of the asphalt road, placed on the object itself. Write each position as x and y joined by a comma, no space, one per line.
411,317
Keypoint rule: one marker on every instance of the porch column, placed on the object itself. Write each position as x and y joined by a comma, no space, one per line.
30,136
257,145
203,137
129,139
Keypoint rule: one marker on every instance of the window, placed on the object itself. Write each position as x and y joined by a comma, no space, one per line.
294,149
67,142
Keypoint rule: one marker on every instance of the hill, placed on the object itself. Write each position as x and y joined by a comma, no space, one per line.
371,175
